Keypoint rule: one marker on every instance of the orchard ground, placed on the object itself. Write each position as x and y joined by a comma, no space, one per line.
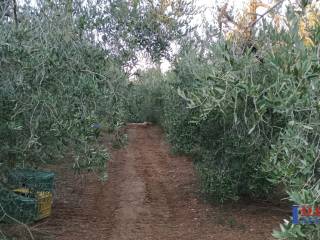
150,195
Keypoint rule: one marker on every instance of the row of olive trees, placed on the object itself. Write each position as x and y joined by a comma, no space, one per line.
264,112
250,122
63,72
55,85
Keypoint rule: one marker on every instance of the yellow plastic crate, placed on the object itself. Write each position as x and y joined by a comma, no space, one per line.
44,202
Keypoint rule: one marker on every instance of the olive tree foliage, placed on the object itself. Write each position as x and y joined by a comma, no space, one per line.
62,72
55,87
128,27
145,97
262,114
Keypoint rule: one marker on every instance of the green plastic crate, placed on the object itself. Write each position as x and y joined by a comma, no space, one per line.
34,180
21,208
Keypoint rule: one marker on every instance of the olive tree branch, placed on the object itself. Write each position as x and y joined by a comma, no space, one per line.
264,14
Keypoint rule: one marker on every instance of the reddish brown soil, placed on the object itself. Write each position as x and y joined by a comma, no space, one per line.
150,195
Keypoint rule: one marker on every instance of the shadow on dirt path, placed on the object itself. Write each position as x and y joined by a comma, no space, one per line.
150,194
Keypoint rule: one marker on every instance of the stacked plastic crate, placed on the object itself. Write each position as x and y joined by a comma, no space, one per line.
30,196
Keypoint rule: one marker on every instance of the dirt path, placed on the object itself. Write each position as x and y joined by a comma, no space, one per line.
150,194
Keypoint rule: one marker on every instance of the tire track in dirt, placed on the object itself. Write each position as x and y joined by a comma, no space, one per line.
150,195
131,201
